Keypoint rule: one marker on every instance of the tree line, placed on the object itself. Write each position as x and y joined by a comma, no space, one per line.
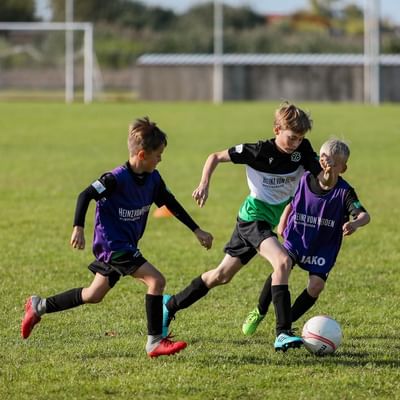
125,29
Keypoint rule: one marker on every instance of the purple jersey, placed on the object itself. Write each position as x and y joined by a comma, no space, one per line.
313,234
121,218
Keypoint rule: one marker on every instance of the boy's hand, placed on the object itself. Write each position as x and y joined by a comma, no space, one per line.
200,194
326,163
204,238
348,228
78,238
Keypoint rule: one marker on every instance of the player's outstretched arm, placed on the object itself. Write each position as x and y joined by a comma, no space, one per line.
204,238
327,176
78,238
200,194
350,227
283,220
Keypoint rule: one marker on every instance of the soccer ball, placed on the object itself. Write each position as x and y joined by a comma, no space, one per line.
321,335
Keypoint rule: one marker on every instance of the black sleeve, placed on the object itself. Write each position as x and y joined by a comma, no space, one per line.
353,205
166,198
99,189
245,153
311,159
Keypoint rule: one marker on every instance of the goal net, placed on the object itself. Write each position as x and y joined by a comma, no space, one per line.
46,60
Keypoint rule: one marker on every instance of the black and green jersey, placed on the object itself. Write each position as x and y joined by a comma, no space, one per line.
272,177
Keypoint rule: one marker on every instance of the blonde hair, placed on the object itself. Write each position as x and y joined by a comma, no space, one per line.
288,116
335,147
145,135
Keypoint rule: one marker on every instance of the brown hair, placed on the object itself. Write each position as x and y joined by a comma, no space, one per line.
288,116
145,135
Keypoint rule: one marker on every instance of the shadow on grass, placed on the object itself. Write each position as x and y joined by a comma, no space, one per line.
355,360
375,355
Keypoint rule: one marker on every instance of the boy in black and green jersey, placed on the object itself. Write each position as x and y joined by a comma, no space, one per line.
274,168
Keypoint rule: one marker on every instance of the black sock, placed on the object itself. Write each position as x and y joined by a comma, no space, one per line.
154,314
185,298
281,300
265,296
302,304
63,301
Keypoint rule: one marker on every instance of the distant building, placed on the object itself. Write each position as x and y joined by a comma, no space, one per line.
315,77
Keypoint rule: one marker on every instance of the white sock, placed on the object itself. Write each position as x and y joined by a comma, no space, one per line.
152,342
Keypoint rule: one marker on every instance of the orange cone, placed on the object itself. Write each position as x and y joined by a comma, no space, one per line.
162,212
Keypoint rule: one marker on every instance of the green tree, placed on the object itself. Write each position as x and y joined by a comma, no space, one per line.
353,20
125,13
323,8
17,10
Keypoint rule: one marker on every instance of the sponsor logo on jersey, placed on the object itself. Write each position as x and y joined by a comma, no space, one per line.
277,181
313,221
313,260
132,215
296,156
100,188
239,148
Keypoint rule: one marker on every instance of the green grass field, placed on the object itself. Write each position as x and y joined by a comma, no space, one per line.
50,152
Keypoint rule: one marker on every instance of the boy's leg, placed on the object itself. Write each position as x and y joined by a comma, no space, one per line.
265,298
302,304
309,296
200,286
255,316
36,306
156,344
273,251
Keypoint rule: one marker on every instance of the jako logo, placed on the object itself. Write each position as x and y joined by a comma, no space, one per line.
313,260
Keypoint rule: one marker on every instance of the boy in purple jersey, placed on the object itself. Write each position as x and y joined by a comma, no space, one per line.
273,169
313,226
123,197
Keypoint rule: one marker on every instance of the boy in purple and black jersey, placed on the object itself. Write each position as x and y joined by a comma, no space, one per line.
313,226
124,197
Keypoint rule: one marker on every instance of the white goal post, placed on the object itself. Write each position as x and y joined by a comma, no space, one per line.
87,28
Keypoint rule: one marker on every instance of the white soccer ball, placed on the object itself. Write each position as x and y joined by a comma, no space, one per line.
322,335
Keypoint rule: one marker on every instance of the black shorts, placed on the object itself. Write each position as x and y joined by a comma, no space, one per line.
293,257
323,276
121,265
246,239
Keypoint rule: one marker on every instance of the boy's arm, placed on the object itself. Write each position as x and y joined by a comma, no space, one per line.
200,194
166,198
97,190
326,176
361,219
283,220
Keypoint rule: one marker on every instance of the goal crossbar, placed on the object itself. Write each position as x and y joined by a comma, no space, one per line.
86,27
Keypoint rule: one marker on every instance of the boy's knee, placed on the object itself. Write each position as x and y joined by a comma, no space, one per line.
93,298
315,288
221,278
284,265
215,277
158,284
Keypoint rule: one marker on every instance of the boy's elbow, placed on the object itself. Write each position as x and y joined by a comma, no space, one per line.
220,156
366,218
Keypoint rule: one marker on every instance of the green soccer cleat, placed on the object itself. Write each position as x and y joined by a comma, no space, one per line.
252,321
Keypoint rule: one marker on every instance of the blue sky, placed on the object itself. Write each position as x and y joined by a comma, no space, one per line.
389,8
